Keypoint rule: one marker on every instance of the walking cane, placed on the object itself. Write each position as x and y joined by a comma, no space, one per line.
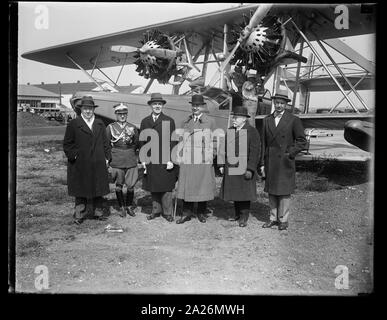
174,210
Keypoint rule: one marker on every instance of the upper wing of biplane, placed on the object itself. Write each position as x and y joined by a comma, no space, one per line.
312,19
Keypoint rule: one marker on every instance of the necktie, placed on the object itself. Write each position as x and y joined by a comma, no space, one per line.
195,119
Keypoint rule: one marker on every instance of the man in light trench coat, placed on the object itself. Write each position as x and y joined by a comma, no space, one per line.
196,181
282,139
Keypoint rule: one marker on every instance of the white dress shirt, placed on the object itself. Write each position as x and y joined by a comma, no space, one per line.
196,118
278,117
155,117
89,122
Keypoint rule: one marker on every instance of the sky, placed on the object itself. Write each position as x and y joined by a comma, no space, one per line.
68,22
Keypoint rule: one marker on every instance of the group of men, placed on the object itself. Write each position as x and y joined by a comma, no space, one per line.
94,150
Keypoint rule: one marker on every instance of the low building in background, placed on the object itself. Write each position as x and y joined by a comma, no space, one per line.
66,90
36,100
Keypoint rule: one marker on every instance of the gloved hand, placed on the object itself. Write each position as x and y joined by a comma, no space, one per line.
169,165
248,175
263,171
144,166
221,170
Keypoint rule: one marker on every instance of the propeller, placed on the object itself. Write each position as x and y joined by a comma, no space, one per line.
258,15
156,52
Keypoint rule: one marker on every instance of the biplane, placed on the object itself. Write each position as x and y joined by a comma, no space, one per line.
251,37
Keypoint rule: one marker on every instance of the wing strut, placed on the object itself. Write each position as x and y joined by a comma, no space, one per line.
92,79
115,84
342,74
297,77
95,62
148,85
325,66
123,64
355,85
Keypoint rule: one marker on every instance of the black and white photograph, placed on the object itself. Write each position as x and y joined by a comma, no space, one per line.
193,149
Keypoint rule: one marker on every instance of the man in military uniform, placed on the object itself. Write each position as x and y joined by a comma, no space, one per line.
123,137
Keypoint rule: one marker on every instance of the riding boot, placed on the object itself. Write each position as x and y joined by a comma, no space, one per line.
129,202
120,200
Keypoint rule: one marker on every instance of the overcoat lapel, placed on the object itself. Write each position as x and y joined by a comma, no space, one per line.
97,127
271,124
281,125
158,121
83,126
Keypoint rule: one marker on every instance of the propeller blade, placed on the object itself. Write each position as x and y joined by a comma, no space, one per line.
160,53
123,49
258,15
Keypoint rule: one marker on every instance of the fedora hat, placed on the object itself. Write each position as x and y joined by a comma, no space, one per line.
197,99
281,94
87,102
156,97
240,111
120,108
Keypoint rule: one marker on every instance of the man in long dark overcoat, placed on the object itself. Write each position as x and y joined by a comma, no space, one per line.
160,177
88,152
283,138
242,143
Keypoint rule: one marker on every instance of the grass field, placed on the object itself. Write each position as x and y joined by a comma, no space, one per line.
331,224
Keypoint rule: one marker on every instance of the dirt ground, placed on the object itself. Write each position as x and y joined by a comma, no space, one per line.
329,226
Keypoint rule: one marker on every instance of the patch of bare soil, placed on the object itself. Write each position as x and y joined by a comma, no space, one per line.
327,229
28,119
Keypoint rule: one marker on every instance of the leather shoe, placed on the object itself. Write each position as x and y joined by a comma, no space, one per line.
201,218
168,218
235,218
100,218
283,226
242,223
130,211
78,221
122,213
269,224
183,219
152,216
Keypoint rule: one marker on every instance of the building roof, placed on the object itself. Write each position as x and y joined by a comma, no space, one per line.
73,87
33,91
